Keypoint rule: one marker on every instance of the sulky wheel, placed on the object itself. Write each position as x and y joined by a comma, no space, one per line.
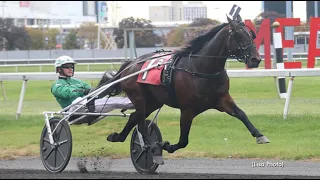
55,158
141,157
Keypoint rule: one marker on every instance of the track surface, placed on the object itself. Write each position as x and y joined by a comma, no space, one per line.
27,168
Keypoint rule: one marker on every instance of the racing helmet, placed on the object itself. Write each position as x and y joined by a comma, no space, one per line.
63,60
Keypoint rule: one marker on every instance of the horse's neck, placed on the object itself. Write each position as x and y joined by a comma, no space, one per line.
214,54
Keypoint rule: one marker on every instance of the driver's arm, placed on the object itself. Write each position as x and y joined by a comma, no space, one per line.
66,91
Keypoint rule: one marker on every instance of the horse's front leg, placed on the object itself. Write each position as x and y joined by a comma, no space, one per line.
186,118
228,105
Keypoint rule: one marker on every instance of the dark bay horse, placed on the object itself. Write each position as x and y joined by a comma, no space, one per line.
200,82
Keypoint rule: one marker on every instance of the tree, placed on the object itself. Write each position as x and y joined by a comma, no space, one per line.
15,37
52,35
203,22
89,32
175,38
37,40
144,38
71,41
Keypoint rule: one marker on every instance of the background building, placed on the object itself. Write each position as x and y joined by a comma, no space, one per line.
57,12
178,11
276,6
310,9
193,10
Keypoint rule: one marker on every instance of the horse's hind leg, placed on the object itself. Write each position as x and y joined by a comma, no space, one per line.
138,118
186,118
121,137
132,122
228,105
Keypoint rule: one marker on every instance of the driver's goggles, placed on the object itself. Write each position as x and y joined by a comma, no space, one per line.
67,66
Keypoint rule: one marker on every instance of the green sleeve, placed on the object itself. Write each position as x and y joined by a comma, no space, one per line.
66,91
86,85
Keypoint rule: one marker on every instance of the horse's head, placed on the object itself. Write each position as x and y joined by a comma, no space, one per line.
241,45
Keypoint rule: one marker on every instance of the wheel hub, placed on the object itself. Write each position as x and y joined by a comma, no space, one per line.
55,145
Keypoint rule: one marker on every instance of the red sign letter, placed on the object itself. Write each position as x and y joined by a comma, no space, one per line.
264,34
288,43
287,22
312,50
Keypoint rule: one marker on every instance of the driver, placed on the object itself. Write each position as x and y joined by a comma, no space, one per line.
68,90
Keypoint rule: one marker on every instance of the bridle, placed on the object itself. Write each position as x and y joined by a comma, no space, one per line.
244,49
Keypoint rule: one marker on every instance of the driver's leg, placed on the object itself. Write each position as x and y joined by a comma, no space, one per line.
105,105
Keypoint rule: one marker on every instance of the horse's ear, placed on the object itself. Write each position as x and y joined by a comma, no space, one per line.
239,18
229,20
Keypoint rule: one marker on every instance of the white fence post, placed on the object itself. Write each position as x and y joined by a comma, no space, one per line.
23,90
286,106
3,91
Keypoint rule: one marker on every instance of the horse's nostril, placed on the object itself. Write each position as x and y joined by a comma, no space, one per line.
256,60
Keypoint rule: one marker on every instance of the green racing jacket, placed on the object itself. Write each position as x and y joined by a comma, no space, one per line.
66,90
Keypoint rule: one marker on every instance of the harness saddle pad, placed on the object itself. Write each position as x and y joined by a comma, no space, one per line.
153,76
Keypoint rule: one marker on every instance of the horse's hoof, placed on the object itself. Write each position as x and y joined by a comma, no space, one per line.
262,140
163,144
113,137
158,160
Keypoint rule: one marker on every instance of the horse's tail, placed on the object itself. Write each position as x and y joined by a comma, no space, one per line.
117,87
109,77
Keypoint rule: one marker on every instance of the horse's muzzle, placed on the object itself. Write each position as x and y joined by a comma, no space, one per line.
254,63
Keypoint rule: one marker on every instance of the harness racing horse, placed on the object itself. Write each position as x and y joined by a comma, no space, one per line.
200,82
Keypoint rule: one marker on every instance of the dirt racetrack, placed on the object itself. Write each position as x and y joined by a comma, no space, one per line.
27,168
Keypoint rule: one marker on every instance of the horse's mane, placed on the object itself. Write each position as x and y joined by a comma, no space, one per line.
145,56
196,44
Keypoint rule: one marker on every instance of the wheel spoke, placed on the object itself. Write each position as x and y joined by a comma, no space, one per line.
62,142
61,154
137,143
49,154
145,160
54,137
58,134
149,153
139,156
46,140
151,132
55,158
